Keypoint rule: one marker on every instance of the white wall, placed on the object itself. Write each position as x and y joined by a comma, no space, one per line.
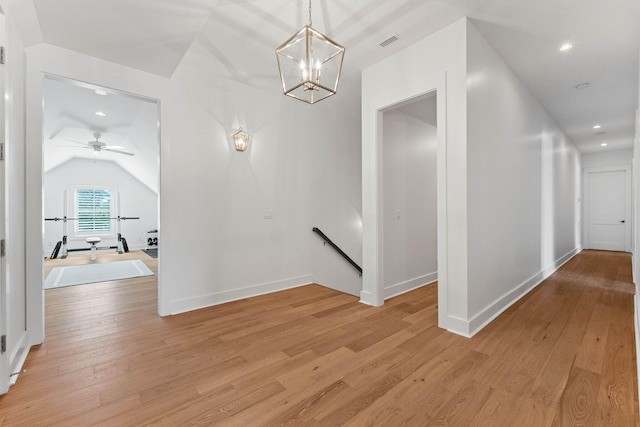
136,200
435,63
410,214
607,158
302,166
508,178
567,202
215,245
523,187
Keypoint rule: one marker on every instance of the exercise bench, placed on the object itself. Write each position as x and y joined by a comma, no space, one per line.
93,241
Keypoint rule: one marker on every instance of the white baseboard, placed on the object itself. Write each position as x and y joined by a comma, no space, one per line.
455,325
18,356
486,316
369,299
554,266
409,285
195,303
345,286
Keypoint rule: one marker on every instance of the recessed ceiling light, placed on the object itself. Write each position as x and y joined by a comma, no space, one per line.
582,85
100,92
597,127
100,113
565,47
604,144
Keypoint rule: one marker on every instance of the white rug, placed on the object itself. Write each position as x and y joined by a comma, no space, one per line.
93,273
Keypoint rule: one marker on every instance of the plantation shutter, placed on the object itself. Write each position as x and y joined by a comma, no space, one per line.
94,210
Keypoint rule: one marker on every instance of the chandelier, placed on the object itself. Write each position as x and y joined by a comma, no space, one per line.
310,64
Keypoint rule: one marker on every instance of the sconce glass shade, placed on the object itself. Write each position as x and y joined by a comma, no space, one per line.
310,64
241,140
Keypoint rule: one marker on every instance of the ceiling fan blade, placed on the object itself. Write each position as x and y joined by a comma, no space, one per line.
77,142
118,151
112,147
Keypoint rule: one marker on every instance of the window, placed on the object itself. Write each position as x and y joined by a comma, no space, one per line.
93,208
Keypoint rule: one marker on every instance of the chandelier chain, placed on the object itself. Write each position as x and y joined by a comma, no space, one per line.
310,21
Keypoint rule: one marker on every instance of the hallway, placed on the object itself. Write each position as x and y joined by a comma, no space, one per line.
563,355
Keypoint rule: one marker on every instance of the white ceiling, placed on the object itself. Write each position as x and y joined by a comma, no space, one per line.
423,109
153,35
70,121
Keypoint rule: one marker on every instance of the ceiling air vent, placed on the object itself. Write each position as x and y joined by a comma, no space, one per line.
388,41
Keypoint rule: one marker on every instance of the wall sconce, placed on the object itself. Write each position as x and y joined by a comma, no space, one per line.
241,140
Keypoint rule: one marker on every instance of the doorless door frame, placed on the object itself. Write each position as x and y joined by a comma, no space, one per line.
372,194
48,59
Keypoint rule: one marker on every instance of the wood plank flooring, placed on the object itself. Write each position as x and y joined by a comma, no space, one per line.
562,356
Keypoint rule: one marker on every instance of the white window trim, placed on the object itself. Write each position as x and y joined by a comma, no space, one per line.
82,235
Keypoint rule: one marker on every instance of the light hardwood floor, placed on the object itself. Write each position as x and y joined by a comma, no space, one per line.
563,355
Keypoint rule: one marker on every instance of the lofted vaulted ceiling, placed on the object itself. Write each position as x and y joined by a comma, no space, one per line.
154,35
129,124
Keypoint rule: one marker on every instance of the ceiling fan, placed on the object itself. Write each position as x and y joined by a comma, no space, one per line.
97,146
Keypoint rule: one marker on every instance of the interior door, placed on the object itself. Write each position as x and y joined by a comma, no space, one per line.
4,355
608,204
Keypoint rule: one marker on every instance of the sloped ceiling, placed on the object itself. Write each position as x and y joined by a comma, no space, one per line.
70,122
153,35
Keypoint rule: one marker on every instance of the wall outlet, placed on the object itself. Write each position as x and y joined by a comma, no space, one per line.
397,213
268,214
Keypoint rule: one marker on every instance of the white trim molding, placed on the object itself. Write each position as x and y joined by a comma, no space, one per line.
491,312
409,285
216,298
373,292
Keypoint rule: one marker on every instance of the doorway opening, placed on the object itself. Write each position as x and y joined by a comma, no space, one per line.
409,188
101,198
